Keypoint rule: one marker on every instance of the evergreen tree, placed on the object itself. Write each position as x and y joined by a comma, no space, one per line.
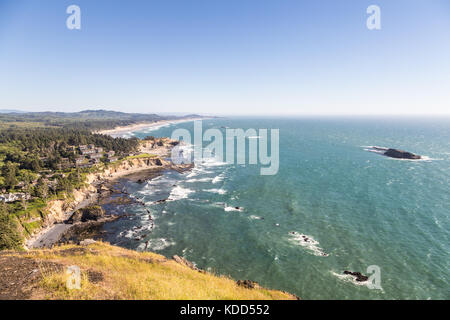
9,175
9,236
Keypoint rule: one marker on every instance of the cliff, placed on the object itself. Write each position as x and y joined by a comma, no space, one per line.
110,272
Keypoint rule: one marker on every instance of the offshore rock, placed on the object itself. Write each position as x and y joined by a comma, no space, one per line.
400,154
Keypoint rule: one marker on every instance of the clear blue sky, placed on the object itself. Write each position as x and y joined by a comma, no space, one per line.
226,56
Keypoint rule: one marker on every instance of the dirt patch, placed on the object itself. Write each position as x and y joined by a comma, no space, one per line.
95,276
77,251
20,276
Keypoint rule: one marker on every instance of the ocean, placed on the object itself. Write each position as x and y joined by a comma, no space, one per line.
356,208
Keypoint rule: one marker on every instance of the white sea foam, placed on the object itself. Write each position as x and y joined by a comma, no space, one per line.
197,171
193,173
212,162
307,242
219,204
199,180
127,234
351,279
422,159
253,217
159,244
378,150
375,147
139,231
240,209
146,191
218,191
179,192
217,179
186,251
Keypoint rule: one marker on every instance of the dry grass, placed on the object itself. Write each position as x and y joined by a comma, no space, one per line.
125,274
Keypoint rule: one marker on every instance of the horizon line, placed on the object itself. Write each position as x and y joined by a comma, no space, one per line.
180,113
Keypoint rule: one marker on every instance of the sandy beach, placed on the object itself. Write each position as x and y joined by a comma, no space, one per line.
134,127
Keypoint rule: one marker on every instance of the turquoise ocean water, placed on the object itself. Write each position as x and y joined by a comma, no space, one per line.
357,208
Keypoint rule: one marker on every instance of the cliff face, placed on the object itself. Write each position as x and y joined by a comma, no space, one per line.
131,165
57,210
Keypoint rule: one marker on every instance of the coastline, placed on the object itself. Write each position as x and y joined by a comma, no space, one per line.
124,129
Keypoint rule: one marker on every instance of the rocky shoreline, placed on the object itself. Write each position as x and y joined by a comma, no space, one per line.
100,190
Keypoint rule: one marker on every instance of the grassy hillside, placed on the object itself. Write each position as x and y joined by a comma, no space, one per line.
110,272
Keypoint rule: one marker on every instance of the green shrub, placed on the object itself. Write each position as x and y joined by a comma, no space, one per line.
9,235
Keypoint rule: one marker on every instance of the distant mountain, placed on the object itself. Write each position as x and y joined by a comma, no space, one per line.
191,116
100,114
11,111
96,114
86,119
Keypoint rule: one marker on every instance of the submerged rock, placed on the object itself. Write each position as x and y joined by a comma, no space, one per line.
400,154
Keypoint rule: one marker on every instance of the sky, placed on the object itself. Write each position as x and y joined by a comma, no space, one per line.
243,57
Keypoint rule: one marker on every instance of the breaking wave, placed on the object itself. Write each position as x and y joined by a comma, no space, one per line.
218,191
178,193
308,243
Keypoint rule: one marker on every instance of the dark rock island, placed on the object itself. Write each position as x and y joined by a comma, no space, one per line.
395,153
400,154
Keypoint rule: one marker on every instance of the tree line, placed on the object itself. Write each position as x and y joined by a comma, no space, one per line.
25,152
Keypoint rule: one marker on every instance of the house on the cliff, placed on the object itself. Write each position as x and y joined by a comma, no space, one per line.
112,159
12,197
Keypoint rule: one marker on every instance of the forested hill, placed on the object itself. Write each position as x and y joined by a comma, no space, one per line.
46,155
33,143
87,119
